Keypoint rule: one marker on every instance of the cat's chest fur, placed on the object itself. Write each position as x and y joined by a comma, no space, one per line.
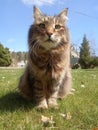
49,65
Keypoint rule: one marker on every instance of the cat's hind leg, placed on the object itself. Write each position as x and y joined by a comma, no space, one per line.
24,88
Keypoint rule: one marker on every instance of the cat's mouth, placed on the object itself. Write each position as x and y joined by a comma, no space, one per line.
49,40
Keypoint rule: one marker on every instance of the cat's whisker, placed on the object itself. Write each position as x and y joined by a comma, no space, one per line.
35,47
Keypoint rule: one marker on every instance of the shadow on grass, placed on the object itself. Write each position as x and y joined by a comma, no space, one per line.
13,101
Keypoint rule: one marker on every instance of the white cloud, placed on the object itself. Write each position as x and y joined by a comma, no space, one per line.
39,2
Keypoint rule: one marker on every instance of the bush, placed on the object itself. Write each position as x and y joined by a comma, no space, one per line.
5,58
76,66
94,62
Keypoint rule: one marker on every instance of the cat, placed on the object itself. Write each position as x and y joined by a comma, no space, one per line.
47,76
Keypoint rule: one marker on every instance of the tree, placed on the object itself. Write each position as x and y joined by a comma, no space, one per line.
5,58
85,54
19,56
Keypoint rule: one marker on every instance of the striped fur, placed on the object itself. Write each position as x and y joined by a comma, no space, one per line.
47,75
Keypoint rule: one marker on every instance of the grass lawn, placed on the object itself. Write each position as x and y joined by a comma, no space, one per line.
19,114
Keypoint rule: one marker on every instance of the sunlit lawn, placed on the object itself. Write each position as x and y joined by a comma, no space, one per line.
19,114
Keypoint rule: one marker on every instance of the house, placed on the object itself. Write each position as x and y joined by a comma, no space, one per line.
74,55
21,64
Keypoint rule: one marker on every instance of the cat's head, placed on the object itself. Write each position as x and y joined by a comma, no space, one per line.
50,31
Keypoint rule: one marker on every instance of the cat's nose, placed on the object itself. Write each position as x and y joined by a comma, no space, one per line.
49,33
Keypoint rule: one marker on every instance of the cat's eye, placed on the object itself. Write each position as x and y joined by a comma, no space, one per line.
42,25
57,26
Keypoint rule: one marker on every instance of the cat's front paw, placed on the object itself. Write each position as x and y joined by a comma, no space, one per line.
52,103
42,105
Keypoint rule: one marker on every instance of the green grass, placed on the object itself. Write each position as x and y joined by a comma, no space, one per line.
19,114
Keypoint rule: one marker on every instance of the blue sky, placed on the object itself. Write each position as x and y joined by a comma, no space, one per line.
16,16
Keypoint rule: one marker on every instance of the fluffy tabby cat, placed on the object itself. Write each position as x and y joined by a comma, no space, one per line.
47,75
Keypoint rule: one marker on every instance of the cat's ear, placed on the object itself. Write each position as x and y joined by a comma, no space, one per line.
38,16
63,15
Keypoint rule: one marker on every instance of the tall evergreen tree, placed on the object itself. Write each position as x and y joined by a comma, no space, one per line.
85,53
5,58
